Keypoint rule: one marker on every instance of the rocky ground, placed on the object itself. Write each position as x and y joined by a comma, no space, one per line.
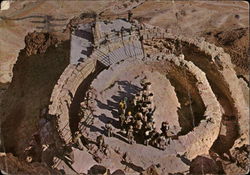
31,63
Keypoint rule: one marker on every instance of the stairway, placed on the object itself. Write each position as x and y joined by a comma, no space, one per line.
131,49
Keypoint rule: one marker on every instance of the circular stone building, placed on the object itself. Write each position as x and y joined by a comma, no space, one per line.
195,90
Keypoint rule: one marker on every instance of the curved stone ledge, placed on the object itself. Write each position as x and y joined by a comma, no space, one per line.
222,61
64,91
200,140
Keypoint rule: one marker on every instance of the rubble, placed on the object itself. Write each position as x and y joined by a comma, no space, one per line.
204,165
38,43
13,165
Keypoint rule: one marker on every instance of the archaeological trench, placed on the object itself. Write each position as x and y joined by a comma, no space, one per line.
196,90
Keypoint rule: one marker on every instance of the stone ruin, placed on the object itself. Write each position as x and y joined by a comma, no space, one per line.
99,46
99,51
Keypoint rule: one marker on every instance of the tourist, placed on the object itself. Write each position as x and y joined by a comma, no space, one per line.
109,128
130,135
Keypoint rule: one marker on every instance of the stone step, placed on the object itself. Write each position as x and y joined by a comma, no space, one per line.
112,57
100,54
120,54
129,49
105,62
124,52
135,49
132,49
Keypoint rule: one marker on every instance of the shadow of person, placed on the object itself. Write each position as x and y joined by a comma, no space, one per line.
117,98
115,114
95,129
112,105
122,133
184,159
129,87
132,166
128,90
103,118
103,106
120,137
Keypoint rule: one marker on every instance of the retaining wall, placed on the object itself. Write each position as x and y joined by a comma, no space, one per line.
225,70
200,140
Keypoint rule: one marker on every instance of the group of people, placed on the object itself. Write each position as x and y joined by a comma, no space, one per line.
136,119
80,141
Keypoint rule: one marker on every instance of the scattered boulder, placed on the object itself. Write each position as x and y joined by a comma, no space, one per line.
241,156
152,170
98,170
204,165
118,172
12,165
229,37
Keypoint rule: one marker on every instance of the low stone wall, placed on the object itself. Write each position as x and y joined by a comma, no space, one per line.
200,140
66,87
224,67
13,165
64,91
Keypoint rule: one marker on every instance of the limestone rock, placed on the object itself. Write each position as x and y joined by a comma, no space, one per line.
37,42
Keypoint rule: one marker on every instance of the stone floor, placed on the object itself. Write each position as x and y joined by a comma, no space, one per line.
110,90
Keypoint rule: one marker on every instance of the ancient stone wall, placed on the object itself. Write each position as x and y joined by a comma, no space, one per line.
64,92
66,87
200,140
222,61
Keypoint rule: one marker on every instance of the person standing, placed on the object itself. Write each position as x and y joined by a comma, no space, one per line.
100,142
109,128
130,135
164,128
